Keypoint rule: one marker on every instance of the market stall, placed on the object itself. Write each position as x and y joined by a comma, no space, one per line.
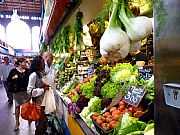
98,89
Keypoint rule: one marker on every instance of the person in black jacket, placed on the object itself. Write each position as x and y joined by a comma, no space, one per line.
137,56
19,76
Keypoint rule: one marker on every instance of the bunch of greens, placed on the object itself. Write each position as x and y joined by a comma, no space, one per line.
110,89
70,86
88,88
102,77
123,72
94,105
43,47
129,125
78,32
149,86
149,130
82,102
75,97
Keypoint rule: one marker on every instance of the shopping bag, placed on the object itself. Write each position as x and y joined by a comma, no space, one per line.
49,101
30,111
53,126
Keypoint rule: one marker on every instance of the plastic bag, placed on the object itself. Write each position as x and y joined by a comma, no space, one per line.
49,101
51,77
53,126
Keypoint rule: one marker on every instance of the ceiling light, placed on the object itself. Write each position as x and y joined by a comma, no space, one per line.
15,16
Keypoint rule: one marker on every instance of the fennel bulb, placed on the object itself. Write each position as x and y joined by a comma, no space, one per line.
114,43
134,46
140,28
137,28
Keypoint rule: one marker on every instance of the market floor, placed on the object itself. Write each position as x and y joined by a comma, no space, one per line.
7,118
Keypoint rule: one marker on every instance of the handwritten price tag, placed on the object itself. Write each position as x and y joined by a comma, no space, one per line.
134,95
145,72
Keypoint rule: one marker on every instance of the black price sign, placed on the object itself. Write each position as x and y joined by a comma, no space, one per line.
145,72
134,95
90,70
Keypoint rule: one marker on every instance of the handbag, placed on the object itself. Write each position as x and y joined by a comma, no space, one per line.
30,110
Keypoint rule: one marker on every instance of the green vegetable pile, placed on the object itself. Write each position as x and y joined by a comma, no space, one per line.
132,126
110,89
149,86
94,105
71,86
123,72
75,97
88,88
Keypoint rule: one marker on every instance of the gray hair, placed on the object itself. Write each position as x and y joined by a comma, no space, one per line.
46,54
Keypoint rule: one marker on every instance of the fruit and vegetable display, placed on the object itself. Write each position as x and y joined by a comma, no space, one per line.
91,97
124,31
111,117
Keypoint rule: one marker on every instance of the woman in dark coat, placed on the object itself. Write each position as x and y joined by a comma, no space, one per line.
19,76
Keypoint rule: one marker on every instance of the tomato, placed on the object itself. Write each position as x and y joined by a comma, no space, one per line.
131,109
116,117
99,121
138,114
78,87
116,112
99,117
103,118
105,126
121,108
121,114
139,108
74,92
96,114
127,111
122,103
86,80
106,114
112,109
112,124
109,119
94,118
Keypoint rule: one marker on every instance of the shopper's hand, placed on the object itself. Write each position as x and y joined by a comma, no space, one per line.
56,80
46,87
15,77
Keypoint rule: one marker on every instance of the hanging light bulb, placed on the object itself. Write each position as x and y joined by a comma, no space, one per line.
15,16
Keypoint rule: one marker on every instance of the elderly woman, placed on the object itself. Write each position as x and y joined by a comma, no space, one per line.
38,89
